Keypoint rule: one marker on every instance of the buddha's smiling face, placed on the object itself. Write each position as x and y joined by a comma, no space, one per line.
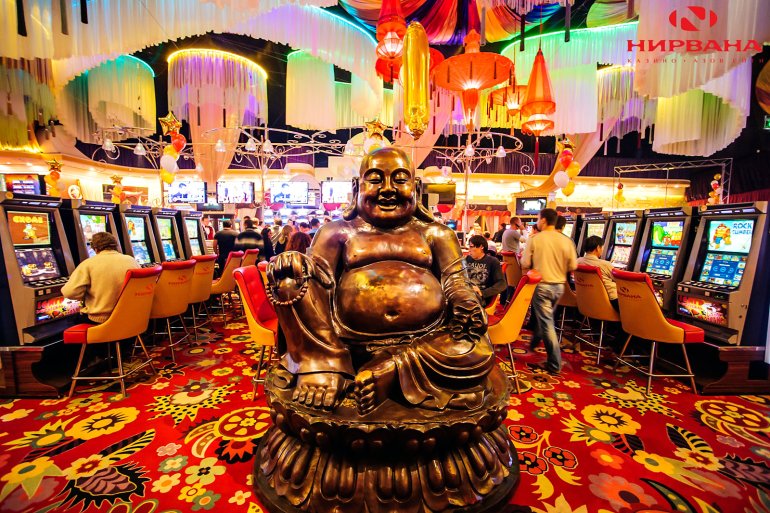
386,189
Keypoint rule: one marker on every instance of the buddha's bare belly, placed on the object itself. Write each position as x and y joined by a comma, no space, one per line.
389,297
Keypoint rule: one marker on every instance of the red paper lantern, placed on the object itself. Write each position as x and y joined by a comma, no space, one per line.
539,95
444,208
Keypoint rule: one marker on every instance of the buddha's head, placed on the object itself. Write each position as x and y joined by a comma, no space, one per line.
386,195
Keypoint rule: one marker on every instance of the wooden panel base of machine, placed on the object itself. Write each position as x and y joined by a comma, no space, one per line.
746,373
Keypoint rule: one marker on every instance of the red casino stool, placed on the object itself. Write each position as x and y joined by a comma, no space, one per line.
250,257
128,320
642,317
200,290
507,328
225,285
260,314
172,297
593,302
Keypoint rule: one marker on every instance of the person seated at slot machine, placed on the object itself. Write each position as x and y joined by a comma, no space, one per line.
594,247
250,238
98,280
224,241
484,271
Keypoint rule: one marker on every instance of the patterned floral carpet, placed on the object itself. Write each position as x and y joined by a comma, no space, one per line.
589,441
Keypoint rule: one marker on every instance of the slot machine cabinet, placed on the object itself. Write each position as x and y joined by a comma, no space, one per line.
724,290
593,224
37,262
573,226
663,250
167,236
621,241
193,235
137,234
82,219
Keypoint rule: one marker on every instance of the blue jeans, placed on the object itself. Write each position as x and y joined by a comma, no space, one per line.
543,302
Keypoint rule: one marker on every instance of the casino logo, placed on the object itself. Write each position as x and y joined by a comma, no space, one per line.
685,22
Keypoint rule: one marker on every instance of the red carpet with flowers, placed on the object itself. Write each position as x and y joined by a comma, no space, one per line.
588,441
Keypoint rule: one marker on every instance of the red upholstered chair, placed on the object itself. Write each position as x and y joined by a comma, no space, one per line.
172,297
507,328
261,316
250,257
262,266
225,285
594,303
128,320
642,317
200,290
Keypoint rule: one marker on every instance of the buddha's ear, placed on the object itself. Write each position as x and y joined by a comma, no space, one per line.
352,212
421,213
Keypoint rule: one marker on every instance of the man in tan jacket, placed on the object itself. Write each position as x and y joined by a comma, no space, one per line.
98,280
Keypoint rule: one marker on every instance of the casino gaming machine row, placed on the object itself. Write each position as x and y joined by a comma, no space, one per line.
593,224
725,290
663,251
82,219
36,264
622,243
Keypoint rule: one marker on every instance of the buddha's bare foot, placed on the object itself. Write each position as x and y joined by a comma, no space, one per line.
373,384
322,390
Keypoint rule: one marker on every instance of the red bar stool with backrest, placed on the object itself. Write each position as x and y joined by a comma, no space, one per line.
642,317
507,328
200,289
172,297
568,299
594,303
128,320
261,316
250,257
226,283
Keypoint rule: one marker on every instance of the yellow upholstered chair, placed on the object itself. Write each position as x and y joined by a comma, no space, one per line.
642,317
200,289
172,297
507,328
593,303
225,285
260,314
250,257
128,320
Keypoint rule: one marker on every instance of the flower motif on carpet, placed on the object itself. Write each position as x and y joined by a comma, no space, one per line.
48,435
730,418
236,434
103,423
110,484
537,457
190,399
560,505
610,420
634,397
28,475
692,449
619,492
146,506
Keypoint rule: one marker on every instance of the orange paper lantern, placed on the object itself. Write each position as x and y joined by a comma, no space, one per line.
539,94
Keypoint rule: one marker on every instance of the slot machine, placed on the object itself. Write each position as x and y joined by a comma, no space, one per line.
573,226
663,251
82,219
716,290
593,224
33,313
193,235
137,234
167,234
622,242
725,291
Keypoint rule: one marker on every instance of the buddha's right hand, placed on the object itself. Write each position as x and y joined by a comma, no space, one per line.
297,268
320,390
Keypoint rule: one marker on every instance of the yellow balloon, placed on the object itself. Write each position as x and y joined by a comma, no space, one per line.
170,150
573,169
569,189
415,76
167,177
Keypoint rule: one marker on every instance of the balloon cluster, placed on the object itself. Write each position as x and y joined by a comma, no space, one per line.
52,178
563,179
168,167
715,194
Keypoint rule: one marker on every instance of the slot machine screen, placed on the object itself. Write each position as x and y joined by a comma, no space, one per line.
730,235
667,234
92,224
192,232
625,233
37,264
141,254
29,228
723,269
166,231
569,228
595,229
662,261
620,256
136,230
195,247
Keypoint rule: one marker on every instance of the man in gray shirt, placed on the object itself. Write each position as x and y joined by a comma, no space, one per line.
514,236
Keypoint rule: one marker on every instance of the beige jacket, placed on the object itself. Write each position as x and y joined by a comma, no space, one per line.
606,269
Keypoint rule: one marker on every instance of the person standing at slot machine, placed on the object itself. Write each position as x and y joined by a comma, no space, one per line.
250,238
224,241
98,280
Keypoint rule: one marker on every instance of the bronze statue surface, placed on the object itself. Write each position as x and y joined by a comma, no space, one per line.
385,361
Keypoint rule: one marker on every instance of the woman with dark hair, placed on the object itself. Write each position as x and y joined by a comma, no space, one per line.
299,242
267,236
250,238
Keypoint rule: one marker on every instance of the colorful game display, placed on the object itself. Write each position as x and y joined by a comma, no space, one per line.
724,269
625,233
31,237
620,256
235,192
596,229
138,234
667,234
703,309
166,235
192,232
730,235
92,224
29,229
569,229
662,261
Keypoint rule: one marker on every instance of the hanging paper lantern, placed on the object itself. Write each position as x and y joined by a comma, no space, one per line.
539,94
416,74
